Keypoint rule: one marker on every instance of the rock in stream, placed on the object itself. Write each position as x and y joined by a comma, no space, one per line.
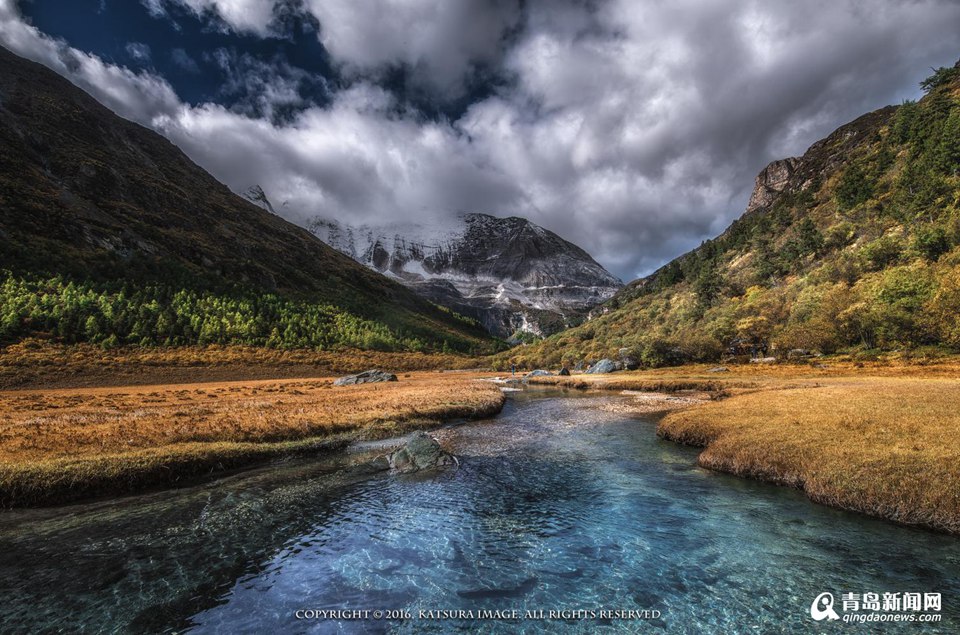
421,452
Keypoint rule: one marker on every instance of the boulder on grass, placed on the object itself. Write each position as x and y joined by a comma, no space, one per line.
602,367
420,452
366,377
539,373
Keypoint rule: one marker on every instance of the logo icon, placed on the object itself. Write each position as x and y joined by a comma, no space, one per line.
822,608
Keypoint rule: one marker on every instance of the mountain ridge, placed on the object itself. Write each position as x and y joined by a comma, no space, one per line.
796,173
507,272
854,246
95,202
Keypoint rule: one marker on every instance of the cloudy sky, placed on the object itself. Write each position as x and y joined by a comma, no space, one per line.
634,129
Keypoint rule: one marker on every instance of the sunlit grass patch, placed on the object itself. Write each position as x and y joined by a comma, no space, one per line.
57,445
888,447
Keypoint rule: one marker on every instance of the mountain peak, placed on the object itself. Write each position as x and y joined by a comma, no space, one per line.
508,272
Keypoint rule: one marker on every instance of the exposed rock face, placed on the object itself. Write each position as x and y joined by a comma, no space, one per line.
771,182
602,367
792,175
508,273
366,377
421,452
258,197
819,161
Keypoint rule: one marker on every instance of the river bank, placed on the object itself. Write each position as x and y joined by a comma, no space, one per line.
61,445
884,441
557,502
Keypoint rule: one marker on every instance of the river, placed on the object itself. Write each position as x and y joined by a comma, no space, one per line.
560,503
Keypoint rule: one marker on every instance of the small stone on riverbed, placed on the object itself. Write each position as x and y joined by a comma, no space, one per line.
366,377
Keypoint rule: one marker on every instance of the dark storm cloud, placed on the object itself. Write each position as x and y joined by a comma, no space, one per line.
667,113
634,130
442,42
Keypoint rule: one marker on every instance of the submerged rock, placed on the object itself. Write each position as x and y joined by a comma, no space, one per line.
420,452
366,377
602,367
379,464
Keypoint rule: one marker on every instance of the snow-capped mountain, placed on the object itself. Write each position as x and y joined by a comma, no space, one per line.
508,273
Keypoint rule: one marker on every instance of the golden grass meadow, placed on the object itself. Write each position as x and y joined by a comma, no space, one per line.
882,438
41,363
62,444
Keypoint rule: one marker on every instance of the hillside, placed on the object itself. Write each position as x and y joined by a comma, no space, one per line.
851,247
110,234
512,275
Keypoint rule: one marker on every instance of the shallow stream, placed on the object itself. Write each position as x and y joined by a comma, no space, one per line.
560,503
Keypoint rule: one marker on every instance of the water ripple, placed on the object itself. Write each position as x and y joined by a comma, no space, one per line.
558,504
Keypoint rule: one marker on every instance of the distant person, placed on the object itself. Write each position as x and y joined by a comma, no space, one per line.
513,369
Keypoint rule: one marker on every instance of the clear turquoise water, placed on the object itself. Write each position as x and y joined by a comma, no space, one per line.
559,503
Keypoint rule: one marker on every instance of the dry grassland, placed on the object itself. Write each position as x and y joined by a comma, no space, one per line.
41,364
61,444
881,438
888,447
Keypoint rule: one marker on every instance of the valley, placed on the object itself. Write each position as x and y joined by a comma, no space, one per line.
151,336
455,317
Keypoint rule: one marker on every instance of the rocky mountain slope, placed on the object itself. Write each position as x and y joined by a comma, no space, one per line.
508,273
110,234
855,246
